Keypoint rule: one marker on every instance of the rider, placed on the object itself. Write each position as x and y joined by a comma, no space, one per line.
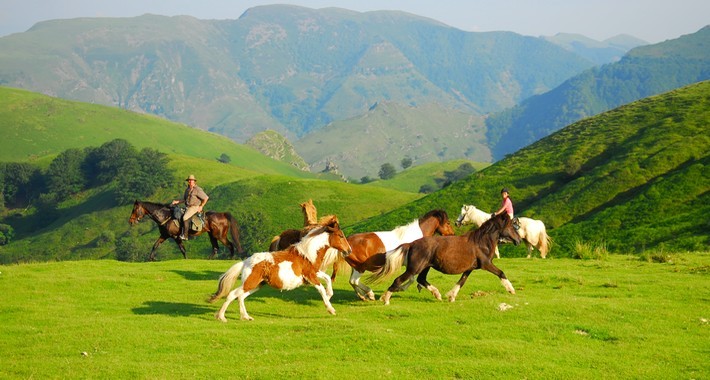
506,205
195,199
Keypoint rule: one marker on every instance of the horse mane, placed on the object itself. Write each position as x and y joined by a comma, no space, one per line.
437,213
489,226
328,220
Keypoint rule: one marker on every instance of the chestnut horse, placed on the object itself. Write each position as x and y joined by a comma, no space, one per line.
369,247
291,236
532,231
217,225
449,255
288,269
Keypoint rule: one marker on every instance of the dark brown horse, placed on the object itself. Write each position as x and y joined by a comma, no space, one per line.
217,224
449,255
369,247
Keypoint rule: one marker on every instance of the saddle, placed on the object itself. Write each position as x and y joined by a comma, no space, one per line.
197,222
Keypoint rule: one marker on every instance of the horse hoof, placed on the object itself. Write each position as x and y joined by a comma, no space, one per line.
247,318
221,318
370,296
331,311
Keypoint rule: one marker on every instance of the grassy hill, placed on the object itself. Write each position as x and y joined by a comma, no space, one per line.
261,192
632,179
412,178
38,127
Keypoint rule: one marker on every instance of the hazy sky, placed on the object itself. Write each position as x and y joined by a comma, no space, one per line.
650,20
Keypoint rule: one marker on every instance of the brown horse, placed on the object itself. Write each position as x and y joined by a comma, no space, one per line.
217,225
369,247
449,255
288,269
290,236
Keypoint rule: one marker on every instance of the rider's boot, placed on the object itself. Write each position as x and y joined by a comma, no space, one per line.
185,229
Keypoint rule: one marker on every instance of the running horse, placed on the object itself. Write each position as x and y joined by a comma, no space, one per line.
369,247
217,224
449,255
287,269
532,231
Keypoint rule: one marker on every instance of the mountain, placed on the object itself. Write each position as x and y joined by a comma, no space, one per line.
644,71
389,132
272,144
599,52
285,68
631,179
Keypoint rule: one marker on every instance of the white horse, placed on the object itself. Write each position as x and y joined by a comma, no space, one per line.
531,230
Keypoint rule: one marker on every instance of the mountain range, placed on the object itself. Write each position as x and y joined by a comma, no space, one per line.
346,88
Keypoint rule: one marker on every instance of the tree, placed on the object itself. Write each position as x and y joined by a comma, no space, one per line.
406,162
224,158
22,183
65,176
142,175
387,171
105,163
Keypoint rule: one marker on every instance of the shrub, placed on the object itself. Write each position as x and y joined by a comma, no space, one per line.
589,251
105,239
127,249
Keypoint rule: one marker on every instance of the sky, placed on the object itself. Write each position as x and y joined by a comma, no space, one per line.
650,20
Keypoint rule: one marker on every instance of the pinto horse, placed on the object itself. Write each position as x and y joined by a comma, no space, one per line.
217,225
288,269
532,231
369,247
449,255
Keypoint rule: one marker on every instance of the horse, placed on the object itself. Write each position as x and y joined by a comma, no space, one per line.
217,225
369,247
291,236
532,231
287,269
449,255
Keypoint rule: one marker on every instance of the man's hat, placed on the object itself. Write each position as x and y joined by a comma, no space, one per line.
191,177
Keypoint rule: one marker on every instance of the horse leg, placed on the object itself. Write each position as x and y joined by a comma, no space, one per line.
529,247
451,295
396,286
487,265
423,283
497,253
180,245
155,247
362,291
312,278
215,246
328,283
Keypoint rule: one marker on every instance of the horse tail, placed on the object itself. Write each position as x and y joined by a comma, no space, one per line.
274,245
227,280
234,232
394,260
545,242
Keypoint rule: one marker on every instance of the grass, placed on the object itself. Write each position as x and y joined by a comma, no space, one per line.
589,319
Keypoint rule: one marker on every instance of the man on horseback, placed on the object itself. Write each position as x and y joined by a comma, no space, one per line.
507,207
195,199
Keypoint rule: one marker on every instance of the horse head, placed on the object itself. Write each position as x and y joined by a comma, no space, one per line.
336,237
464,217
137,214
507,229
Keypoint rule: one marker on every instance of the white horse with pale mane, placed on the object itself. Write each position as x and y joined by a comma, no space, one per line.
531,230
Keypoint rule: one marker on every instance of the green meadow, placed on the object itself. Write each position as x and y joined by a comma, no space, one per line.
617,318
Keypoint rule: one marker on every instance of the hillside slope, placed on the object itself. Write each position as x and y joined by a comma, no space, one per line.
634,178
644,71
36,127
